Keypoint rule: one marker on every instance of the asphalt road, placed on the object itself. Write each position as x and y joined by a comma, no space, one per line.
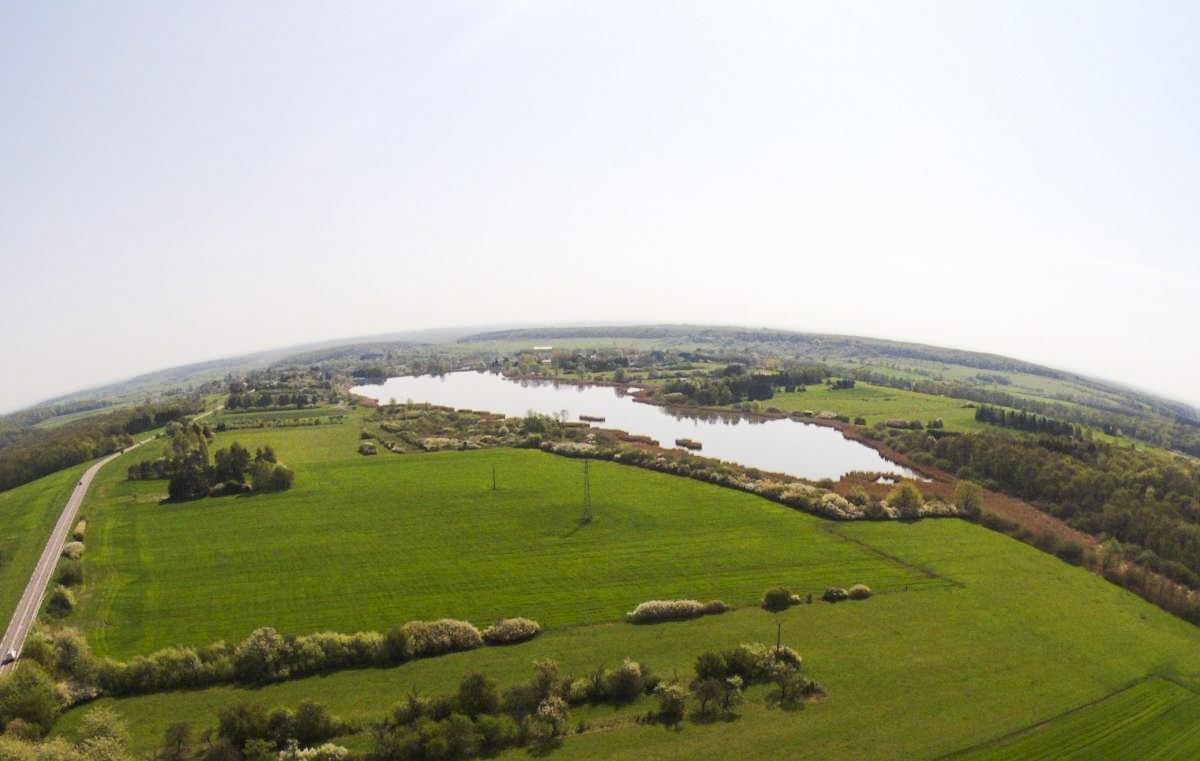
35,590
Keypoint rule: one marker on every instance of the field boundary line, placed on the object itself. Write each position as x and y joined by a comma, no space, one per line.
1031,728
923,570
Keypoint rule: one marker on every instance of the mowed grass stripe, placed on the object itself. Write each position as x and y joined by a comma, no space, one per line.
1154,719
365,543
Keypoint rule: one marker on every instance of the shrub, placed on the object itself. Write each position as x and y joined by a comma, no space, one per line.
672,701
511,630
624,683
860,421
777,599
1071,551
395,645
260,657
61,601
80,530
447,635
711,664
1046,540
714,608
653,611
70,573
477,694
835,594
907,499
73,550
29,694
968,496
859,592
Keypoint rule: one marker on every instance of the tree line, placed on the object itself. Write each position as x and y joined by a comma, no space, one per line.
1026,421
27,454
1150,502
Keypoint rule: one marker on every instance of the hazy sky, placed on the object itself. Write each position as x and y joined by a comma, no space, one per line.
183,181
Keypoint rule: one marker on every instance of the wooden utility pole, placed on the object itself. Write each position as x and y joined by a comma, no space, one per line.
587,492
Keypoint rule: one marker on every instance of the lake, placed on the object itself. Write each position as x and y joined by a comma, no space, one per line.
782,446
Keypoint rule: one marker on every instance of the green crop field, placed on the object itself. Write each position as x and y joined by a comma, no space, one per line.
1154,719
878,404
369,542
27,515
1013,638
971,638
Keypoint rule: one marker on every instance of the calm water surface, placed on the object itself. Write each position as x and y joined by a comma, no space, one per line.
782,446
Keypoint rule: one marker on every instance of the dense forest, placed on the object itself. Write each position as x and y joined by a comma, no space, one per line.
1140,498
30,453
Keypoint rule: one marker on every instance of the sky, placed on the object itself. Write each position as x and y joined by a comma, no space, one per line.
184,181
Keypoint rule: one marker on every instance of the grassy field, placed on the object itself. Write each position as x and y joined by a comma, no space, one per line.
27,515
1017,638
878,404
1154,719
369,542
971,639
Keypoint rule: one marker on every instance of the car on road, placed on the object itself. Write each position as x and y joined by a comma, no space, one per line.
9,657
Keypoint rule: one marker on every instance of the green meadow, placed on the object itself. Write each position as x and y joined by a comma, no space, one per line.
971,639
878,404
27,516
1010,638
371,542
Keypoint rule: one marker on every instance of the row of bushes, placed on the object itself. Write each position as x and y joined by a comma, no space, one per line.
480,719
781,598
653,611
793,493
264,656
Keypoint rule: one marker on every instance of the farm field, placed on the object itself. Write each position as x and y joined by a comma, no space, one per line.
1154,719
27,515
1010,638
878,404
370,542
971,638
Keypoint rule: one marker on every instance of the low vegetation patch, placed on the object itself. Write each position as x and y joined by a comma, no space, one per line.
835,594
859,592
510,631
654,611
447,635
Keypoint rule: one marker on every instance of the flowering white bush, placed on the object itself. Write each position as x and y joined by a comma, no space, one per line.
446,635
673,610
511,630
326,752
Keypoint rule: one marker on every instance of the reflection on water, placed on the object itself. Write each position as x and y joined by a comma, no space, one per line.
783,446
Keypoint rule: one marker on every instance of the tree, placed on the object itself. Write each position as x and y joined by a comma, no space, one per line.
242,722
555,712
312,723
231,463
177,741
672,701
709,693
477,694
29,694
907,499
969,497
